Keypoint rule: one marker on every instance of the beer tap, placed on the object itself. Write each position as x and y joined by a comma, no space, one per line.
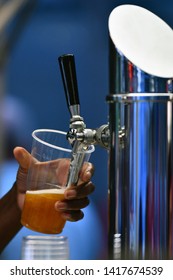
78,135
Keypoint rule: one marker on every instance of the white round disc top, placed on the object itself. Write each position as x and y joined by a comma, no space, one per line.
143,38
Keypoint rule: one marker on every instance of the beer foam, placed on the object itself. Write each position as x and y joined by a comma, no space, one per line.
47,191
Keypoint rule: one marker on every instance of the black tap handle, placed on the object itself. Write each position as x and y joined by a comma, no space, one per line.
68,72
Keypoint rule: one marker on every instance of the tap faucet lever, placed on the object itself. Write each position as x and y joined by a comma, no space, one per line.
77,125
78,133
68,73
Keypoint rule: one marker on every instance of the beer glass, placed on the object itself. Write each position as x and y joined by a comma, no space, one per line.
47,180
45,247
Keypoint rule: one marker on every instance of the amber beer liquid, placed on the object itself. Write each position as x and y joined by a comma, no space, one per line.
39,212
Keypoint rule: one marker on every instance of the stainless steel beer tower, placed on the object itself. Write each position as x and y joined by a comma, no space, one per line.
141,136
138,136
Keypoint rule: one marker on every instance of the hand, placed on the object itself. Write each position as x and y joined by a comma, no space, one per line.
75,196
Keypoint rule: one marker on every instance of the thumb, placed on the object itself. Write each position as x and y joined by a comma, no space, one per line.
23,157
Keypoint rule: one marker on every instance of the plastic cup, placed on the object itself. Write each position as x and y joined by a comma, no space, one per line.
47,180
45,248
